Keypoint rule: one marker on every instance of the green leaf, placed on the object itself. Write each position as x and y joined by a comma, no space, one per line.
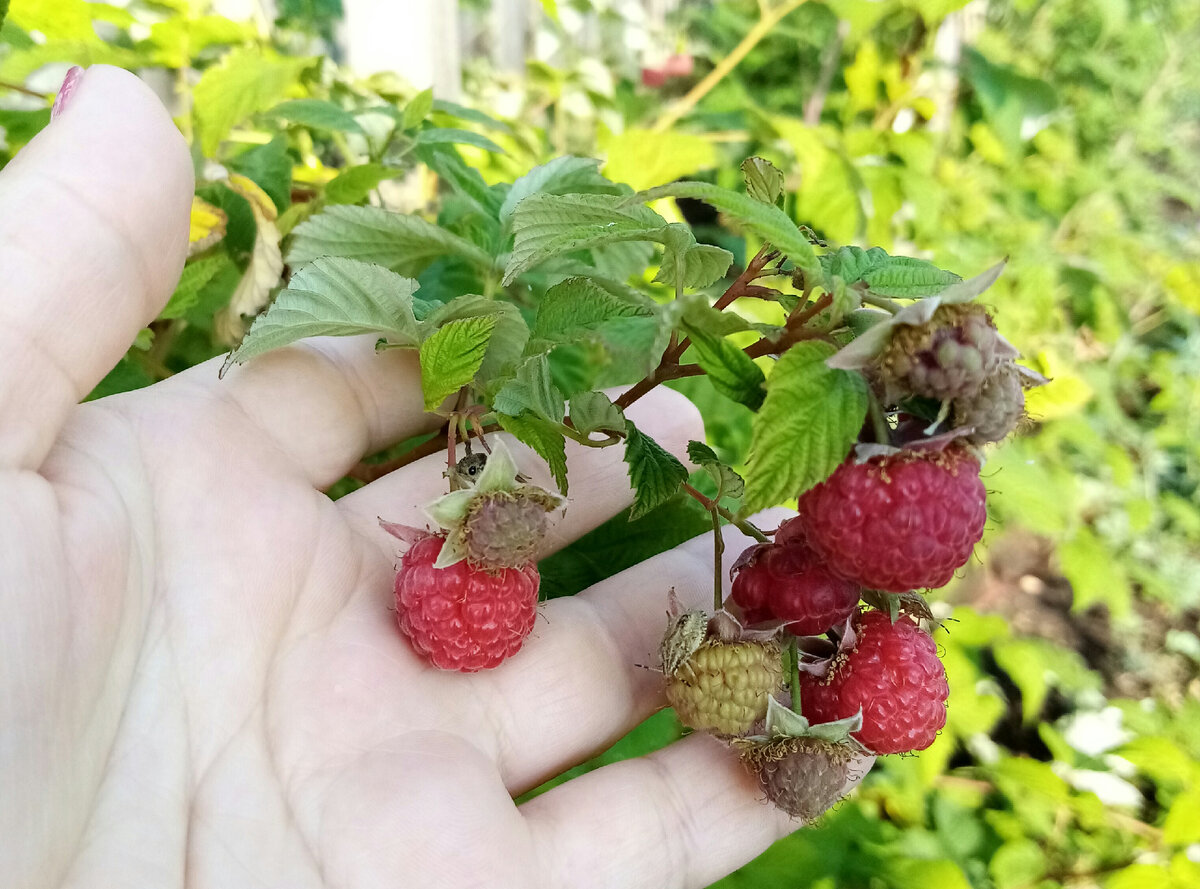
417,109
355,183
901,277
404,244
270,166
732,372
1182,827
508,339
576,308
563,175
334,297
451,136
196,275
594,412
655,473
764,180
462,112
810,418
451,357
544,437
644,157
316,114
244,82
465,180
688,264
4,11
767,221
547,225
531,389
729,483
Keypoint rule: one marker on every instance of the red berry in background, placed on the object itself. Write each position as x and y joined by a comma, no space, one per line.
894,674
898,522
463,618
786,581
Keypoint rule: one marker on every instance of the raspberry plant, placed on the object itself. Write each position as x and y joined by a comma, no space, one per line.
561,299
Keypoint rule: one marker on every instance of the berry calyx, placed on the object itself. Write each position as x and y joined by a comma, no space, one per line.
496,521
787,581
723,687
459,617
899,521
893,675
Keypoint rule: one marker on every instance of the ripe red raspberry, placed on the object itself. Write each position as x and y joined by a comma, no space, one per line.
462,618
894,675
785,580
898,522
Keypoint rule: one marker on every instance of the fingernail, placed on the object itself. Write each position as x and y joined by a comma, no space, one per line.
69,85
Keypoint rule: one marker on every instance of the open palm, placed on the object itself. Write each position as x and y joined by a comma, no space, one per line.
200,680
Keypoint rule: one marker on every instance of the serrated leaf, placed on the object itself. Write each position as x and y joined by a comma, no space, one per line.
334,297
577,308
765,220
417,109
317,114
898,277
655,474
546,225
563,175
355,183
451,356
404,244
729,483
764,180
508,338
688,263
544,437
196,275
809,419
594,412
731,371
531,389
452,136
244,82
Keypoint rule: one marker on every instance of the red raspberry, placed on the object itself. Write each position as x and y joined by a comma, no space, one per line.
462,618
785,580
898,522
894,674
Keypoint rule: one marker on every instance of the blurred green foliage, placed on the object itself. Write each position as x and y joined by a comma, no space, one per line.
1063,134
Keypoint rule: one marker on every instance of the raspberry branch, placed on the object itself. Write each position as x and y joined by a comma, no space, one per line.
794,673
746,527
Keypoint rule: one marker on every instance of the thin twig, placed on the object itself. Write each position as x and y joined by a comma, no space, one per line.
718,553
742,525
770,18
24,90
829,63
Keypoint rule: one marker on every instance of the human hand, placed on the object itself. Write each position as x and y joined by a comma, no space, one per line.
200,681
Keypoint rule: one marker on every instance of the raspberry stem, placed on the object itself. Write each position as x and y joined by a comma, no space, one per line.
747,528
718,552
794,673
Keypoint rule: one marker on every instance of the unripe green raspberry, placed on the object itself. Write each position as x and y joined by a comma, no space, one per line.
724,686
996,409
502,529
951,356
802,776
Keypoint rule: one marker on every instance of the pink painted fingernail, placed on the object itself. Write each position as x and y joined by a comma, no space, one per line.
69,85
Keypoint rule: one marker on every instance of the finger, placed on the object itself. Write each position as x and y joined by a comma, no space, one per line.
579,687
599,482
93,233
684,816
321,404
